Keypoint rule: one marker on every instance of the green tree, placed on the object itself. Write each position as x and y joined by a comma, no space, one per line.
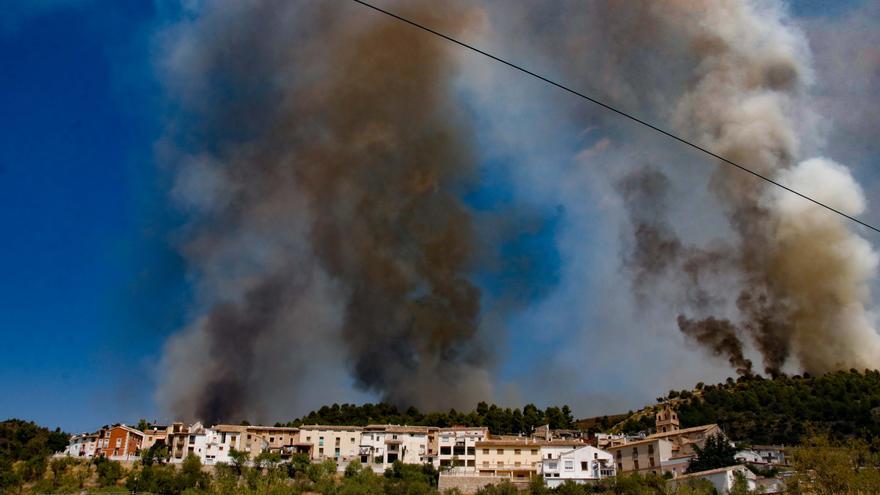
191,474
715,453
109,472
239,460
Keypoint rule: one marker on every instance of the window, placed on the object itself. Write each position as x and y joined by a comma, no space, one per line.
517,464
471,451
595,455
500,451
486,451
636,464
619,454
534,451
620,467
635,451
321,450
352,439
118,442
651,459
651,449
486,463
569,465
500,463
447,450
552,465
271,439
517,451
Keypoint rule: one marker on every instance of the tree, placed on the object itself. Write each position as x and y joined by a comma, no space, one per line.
239,460
191,474
715,453
109,472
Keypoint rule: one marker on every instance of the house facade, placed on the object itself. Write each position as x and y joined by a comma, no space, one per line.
579,465
643,456
457,447
81,446
124,443
723,479
382,445
340,443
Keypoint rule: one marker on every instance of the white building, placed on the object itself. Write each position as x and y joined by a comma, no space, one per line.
81,446
749,456
457,446
382,445
723,479
771,454
579,465
219,442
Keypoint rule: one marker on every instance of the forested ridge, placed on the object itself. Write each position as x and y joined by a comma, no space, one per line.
499,420
780,410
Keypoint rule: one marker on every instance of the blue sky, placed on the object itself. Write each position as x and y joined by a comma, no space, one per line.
89,286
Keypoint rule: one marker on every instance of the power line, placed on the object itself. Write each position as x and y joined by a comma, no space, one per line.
617,111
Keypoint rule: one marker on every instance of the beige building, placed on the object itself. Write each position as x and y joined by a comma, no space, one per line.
643,456
517,457
153,436
457,446
684,439
183,439
279,439
341,443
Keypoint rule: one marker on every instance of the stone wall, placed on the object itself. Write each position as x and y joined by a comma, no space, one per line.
470,484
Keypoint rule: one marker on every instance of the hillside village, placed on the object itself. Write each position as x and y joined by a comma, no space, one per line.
468,458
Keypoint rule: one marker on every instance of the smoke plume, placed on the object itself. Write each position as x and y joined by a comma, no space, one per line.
329,165
802,272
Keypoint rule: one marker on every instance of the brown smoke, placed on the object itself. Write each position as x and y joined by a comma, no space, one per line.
802,273
720,336
339,156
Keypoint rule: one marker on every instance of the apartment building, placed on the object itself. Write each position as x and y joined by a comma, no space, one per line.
124,443
457,446
279,439
382,445
81,446
183,440
517,457
579,465
643,456
153,436
102,441
341,443
220,440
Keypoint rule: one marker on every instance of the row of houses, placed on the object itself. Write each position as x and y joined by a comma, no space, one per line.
557,455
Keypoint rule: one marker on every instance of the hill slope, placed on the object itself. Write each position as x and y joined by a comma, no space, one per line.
781,410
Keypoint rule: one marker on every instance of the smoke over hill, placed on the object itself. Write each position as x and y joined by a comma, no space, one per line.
321,151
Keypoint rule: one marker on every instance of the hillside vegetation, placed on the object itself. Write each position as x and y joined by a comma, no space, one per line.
24,448
499,420
781,410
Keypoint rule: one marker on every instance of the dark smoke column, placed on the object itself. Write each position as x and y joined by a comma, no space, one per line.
334,157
